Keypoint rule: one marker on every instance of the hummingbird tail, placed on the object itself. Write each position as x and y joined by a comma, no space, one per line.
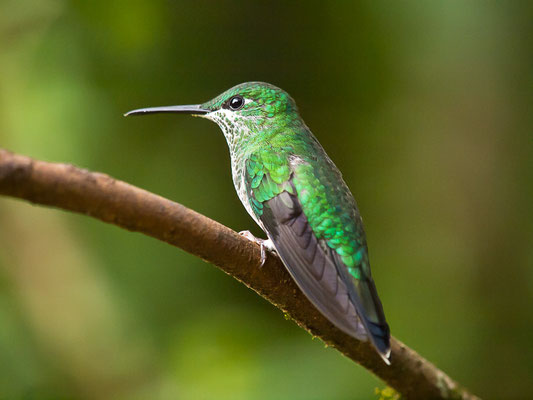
380,337
371,313
369,309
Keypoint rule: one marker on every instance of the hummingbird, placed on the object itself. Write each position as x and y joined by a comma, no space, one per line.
296,194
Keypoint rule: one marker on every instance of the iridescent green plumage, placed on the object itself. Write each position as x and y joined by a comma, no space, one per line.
331,218
296,194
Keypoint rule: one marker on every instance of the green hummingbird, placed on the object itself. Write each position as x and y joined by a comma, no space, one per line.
296,194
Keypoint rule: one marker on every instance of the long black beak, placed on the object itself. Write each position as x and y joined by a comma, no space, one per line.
190,109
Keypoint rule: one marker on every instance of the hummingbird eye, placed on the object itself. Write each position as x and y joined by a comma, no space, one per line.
236,102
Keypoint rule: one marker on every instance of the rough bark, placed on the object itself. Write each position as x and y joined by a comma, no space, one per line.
100,196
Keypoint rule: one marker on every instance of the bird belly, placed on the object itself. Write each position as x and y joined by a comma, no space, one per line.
240,187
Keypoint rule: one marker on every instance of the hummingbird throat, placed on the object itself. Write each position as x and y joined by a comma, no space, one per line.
236,128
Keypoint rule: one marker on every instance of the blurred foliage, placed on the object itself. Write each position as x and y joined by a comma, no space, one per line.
387,393
424,106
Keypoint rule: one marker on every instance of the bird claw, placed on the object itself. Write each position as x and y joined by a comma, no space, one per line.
265,244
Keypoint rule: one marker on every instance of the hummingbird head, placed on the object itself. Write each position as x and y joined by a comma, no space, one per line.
242,112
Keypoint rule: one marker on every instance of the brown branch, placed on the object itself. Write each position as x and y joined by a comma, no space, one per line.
100,196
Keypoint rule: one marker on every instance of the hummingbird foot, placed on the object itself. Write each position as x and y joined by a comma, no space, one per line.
265,244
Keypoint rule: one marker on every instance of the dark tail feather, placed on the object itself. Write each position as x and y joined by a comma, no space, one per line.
374,317
365,298
380,337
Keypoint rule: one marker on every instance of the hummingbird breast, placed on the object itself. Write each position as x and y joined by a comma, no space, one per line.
238,166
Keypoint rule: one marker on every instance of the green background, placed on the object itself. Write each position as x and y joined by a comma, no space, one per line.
425,106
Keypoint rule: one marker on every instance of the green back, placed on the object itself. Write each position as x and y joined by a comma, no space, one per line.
325,198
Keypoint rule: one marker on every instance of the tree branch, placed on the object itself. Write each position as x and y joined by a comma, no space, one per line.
100,196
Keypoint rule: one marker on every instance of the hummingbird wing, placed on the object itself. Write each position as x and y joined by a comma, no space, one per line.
286,199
